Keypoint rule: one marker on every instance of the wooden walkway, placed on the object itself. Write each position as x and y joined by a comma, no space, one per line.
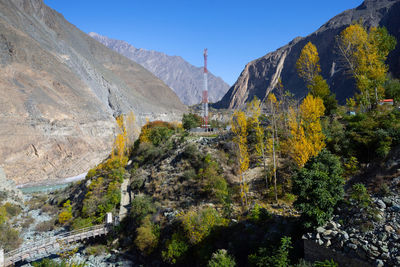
45,247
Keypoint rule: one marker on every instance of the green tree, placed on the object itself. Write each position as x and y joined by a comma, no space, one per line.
392,89
319,186
278,258
190,121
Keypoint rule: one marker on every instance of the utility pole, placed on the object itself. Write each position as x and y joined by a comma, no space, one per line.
205,94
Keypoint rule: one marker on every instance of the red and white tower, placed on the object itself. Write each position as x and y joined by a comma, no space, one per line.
205,93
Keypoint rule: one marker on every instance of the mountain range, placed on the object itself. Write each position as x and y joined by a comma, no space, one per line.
185,79
60,91
260,76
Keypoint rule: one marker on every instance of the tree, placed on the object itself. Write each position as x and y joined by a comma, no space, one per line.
131,129
254,111
190,121
66,214
306,138
311,110
309,69
239,128
319,186
392,89
278,258
121,139
273,141
308,63
364,54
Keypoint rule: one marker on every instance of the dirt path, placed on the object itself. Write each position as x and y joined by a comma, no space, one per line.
125,199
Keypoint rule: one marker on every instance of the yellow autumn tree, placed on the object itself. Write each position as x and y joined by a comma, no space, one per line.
239,128
364,53
306,137
254,112
120,140
308,63
309,69
311,110
131,129
272,142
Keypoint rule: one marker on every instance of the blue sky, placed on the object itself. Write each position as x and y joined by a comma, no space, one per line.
235,32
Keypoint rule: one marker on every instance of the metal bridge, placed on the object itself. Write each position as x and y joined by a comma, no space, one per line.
45,247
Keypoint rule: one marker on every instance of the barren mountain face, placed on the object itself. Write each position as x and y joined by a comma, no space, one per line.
261,75
185,79
60,91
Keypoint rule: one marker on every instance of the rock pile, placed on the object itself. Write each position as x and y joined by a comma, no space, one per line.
376,241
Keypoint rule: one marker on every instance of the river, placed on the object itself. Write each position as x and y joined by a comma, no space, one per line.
50,186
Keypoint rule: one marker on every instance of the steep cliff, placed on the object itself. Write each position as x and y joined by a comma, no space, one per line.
185,79
59,91
261,75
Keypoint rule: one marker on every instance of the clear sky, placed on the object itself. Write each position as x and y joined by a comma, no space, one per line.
235,32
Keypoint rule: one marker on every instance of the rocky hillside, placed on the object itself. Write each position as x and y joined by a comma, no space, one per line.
261,75
59,91
185,79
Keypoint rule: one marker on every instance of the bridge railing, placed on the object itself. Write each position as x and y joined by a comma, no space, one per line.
52,240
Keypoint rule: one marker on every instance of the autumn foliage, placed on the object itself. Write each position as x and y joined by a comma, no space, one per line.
306,137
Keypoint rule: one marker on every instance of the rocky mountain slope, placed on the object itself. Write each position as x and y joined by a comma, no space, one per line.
261,75
185,79
59,90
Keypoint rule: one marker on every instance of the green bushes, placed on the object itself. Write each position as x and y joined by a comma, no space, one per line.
96,250
259,214
147,237
198,225
190,121
12,209
103,192
276,257
9,238
221,258
213,183
141,206
176,248
319,186
360,196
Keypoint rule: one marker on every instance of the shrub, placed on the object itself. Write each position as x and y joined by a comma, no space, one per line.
12,209
3,215
45,226
221,258
189,174
9,238
360,196
198,225
176,248
79,223
27,222
147,236
319,186
66,215
278,258
259,214
96,250
141,207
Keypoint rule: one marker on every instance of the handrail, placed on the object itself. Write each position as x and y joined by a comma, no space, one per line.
51,240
